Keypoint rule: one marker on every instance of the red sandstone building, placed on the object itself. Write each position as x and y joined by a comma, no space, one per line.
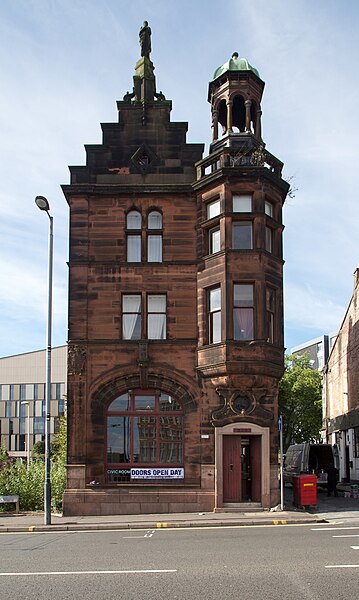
175,307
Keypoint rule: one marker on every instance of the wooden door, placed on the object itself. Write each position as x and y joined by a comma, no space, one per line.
231,468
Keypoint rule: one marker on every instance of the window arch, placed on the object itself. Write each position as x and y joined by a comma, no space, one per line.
222,116
239,113
133,236
134,220
154,220
254,116
144,429
144,243
154,236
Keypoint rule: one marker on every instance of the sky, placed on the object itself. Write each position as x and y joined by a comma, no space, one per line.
63,65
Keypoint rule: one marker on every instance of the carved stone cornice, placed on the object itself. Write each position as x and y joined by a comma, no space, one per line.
241,403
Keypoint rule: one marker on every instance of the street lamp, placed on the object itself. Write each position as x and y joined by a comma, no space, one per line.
26,403
43,204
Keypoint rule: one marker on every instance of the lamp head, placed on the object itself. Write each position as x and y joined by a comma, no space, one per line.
42,203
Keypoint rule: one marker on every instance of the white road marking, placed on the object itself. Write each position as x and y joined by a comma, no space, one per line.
148,534
176,527
125,572
355,547
346,536
67,531
334,528
342,566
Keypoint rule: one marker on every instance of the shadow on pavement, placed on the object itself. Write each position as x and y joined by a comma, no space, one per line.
325,504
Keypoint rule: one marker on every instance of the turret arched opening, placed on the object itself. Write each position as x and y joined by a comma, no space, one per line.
222,116
253,113
239,114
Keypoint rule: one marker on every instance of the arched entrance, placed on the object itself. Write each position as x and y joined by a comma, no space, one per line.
242,465
144,428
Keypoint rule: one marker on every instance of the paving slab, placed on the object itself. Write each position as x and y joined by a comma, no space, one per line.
328,509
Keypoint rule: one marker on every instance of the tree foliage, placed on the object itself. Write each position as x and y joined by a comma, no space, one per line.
300,401
28,483
57,446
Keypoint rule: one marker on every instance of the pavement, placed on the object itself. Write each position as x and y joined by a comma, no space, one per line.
327,510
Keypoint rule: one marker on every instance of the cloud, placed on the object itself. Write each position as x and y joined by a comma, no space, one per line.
306,308
63,65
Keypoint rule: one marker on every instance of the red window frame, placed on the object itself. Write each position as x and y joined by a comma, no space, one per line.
132,413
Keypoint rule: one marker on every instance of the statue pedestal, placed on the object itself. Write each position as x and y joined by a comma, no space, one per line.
144,80
144,68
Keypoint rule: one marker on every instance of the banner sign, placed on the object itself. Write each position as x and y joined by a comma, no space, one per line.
157,473
118,471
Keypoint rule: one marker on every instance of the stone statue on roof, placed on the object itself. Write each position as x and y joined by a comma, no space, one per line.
145,40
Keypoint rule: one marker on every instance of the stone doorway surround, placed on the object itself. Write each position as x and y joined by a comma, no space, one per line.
244,429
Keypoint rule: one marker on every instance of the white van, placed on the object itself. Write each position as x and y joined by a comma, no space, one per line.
308,458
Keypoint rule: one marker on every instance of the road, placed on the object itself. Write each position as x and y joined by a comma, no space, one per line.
247,563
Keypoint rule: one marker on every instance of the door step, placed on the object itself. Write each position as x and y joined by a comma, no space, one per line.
240,507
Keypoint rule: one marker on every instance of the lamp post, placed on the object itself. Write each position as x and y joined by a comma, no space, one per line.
43,204
26,403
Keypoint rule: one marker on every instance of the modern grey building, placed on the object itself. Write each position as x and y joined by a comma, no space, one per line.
22,397
317,350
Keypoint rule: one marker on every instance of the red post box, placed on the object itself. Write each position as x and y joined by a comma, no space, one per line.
305,490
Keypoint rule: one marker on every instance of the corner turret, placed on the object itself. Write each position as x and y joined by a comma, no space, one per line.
235,94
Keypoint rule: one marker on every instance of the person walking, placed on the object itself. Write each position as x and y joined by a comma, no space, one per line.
333,475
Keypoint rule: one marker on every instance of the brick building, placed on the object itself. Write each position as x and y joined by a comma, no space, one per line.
341,391
175,306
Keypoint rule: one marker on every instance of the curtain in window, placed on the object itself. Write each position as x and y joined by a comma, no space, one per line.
243,311
215,327
215,317
133,248
131,317
213,209
154,220
243,323
154,249
242,203
156,309
215,240
133,220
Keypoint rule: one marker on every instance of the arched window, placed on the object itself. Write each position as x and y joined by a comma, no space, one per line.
154,240
144,429
133,240
133,220
239,113
222,116
154,220
144,243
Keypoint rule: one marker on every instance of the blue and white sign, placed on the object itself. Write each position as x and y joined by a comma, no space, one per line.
157,473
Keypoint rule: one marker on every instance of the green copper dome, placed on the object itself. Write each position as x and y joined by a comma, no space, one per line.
235,64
